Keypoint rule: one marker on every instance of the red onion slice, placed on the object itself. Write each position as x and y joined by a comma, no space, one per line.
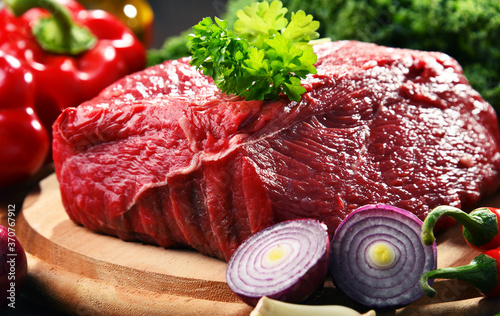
377,256
286,262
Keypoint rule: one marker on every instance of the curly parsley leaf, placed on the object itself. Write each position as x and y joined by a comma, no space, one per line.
256,22
264,56
302,27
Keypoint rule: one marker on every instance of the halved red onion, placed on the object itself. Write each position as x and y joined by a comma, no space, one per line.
377,256
286,262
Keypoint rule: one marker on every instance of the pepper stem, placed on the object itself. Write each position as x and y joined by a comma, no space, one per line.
480,225
481,273
57,33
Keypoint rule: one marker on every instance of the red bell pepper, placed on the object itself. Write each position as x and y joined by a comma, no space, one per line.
23,139
481,227
72,53
483,272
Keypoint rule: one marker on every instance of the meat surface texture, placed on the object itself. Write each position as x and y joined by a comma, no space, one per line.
163,157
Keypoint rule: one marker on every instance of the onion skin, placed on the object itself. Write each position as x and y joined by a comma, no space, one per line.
376,283
13,267
258,268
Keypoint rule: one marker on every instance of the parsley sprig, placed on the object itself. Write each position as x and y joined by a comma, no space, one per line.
263,56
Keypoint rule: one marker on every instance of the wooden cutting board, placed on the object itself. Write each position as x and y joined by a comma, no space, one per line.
80,272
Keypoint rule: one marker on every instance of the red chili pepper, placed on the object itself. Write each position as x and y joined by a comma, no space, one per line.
73,53
483,272
481,227
24,141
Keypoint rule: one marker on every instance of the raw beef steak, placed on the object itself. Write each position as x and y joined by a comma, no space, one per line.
163,157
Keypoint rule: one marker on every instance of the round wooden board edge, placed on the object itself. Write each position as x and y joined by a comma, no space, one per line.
76,295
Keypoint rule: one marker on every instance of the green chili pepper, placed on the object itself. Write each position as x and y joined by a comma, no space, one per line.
481,227
482,273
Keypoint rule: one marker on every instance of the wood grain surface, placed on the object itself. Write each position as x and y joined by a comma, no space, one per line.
80,272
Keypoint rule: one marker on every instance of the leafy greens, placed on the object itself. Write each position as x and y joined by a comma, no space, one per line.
265,54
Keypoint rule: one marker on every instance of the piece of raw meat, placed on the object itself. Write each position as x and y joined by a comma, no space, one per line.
163,157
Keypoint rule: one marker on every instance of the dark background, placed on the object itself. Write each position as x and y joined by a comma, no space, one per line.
173,17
